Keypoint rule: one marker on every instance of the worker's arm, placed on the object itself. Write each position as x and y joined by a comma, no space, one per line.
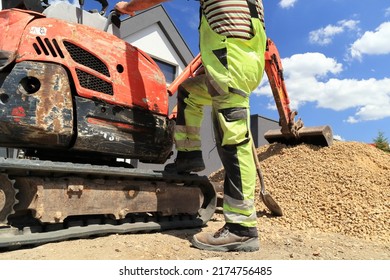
131,7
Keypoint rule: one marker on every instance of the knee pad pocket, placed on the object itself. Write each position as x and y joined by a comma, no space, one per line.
233,126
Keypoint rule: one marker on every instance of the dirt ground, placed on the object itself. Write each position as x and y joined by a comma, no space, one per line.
335,203
277,243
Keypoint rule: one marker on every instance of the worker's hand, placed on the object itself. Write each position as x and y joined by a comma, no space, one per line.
123,8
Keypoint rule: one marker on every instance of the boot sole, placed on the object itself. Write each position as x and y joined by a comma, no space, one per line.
250,245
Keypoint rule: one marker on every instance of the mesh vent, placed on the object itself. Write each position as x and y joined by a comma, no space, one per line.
93,83
51,48
87,59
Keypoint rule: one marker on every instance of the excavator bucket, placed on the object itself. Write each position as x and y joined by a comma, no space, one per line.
316,135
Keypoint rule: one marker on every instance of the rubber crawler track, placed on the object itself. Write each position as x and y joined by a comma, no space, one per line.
82,226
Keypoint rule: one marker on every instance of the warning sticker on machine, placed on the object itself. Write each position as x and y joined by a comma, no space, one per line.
38,30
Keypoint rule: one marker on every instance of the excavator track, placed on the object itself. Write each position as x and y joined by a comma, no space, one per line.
34,190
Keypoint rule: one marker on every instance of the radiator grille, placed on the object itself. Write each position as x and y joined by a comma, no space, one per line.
92,82
87,59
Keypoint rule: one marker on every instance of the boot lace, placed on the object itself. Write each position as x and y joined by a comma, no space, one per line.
221,232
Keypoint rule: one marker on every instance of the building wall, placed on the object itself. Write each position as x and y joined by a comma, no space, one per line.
154,42
259,126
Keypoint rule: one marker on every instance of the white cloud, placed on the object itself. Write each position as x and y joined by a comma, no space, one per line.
375,111
324,36
310,77
310,64
372,42
387,12
287,3
338,137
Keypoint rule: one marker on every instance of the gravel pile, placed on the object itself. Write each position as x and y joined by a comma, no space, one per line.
342,189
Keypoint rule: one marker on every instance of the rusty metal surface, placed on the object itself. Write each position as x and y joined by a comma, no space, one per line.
37,111
100,184
53,200
36,108
122,132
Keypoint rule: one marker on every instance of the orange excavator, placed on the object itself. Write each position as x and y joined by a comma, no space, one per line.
74,99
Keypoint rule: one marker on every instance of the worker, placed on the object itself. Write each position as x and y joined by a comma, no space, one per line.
232,46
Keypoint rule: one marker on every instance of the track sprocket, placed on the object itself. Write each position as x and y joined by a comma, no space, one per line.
7,198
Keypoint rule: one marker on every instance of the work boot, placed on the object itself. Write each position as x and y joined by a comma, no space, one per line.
186,162
224,240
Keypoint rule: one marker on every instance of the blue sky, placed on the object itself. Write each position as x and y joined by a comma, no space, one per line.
335,55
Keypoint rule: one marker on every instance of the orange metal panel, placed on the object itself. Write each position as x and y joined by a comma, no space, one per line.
135,78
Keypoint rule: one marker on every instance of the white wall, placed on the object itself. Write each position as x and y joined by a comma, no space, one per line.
153,41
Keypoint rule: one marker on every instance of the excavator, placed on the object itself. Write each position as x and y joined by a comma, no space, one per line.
74,99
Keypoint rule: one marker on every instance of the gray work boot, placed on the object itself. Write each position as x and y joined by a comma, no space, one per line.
186,162
224,240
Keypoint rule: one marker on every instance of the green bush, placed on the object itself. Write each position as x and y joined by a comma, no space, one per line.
381,142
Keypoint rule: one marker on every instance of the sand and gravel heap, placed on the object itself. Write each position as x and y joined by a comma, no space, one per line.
342,189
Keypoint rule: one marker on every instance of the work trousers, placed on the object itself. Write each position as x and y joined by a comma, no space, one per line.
233,69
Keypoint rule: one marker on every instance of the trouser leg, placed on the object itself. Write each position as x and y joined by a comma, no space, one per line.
233,138
234,143
192,97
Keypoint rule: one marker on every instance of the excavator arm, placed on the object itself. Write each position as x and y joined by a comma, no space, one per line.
274,71
291,131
